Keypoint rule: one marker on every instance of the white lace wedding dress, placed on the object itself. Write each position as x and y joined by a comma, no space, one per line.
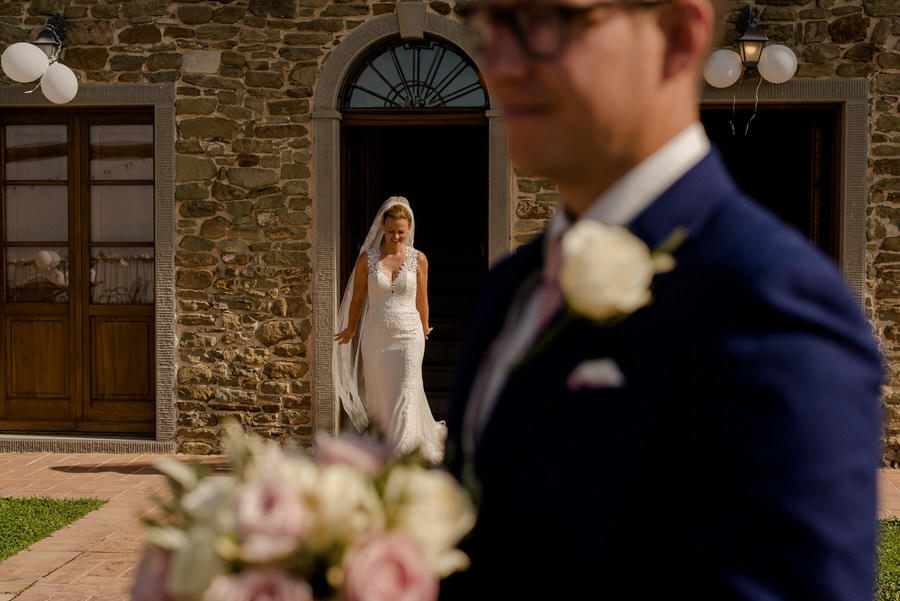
392,351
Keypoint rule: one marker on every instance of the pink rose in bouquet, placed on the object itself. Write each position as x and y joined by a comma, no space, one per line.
389,567
366,455
152,577
270,519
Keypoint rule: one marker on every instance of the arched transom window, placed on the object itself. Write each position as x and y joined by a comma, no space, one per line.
414,75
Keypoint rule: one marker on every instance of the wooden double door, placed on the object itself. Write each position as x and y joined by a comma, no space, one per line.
77,299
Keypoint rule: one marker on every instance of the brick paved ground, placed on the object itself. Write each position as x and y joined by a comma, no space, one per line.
94,558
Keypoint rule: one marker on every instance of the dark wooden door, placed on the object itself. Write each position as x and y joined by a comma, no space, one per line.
787,158
442,170
77,305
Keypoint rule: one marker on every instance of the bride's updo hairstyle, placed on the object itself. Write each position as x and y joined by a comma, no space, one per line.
398,211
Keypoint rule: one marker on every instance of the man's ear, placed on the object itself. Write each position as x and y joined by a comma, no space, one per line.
688,27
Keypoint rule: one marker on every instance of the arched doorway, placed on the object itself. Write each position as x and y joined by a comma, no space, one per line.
400,110
413,124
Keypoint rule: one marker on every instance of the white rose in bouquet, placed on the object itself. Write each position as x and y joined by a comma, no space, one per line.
347,505
430,507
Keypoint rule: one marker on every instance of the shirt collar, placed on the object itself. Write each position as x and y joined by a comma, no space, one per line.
638,188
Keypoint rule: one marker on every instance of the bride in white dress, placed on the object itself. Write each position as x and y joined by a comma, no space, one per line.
382,328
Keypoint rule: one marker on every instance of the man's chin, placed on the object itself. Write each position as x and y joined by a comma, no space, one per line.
533,156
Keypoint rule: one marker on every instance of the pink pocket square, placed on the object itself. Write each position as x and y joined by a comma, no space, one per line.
596,373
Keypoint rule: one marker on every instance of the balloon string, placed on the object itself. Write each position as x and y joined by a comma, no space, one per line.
733,111
747,129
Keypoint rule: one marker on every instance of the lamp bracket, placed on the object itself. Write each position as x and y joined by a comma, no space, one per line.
747,16
57,24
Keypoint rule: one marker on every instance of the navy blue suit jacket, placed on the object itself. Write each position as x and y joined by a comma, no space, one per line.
739,459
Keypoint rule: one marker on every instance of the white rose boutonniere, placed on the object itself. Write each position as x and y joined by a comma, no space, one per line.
606,275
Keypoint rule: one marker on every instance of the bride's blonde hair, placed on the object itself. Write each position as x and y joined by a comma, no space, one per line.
398,210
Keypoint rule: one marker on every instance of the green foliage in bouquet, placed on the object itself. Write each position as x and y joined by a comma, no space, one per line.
348,522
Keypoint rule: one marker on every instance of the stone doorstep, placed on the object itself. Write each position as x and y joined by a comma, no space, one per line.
23,443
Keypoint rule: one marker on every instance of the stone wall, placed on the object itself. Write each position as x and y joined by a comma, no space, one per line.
245,72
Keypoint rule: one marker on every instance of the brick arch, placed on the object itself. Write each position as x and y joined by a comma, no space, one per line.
411,20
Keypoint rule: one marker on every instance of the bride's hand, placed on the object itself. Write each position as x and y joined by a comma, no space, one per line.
345,336
427,332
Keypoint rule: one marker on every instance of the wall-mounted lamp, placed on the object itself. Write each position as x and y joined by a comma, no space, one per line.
752,40
25,62
50,40
776,63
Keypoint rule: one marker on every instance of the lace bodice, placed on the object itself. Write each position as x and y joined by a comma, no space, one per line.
392,303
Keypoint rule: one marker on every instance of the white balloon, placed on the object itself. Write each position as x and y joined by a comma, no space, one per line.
777,64
43,260
24,62
722,68
59,84
54,258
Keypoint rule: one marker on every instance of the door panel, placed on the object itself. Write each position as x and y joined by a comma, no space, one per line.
119,371
36,351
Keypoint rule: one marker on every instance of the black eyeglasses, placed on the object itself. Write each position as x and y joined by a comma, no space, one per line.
543,31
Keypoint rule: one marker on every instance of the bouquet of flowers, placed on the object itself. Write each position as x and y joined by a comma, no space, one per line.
347,522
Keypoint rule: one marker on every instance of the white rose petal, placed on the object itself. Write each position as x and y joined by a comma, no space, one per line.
347,505
209,499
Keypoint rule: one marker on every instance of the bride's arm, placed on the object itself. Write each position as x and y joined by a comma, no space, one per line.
360,287
422,293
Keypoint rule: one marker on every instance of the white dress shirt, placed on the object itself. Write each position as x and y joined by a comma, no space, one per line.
624,201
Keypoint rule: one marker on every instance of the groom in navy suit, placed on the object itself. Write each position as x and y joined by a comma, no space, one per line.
716,441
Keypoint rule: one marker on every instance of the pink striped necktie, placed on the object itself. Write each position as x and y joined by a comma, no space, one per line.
551,293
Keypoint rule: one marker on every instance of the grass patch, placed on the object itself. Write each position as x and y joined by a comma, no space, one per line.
887,577
23,522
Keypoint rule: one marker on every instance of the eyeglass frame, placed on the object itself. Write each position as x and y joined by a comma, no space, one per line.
564,15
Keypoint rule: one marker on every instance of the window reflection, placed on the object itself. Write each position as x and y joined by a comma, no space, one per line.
122,276
37,214
122,213
121,152
37,275
36,152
